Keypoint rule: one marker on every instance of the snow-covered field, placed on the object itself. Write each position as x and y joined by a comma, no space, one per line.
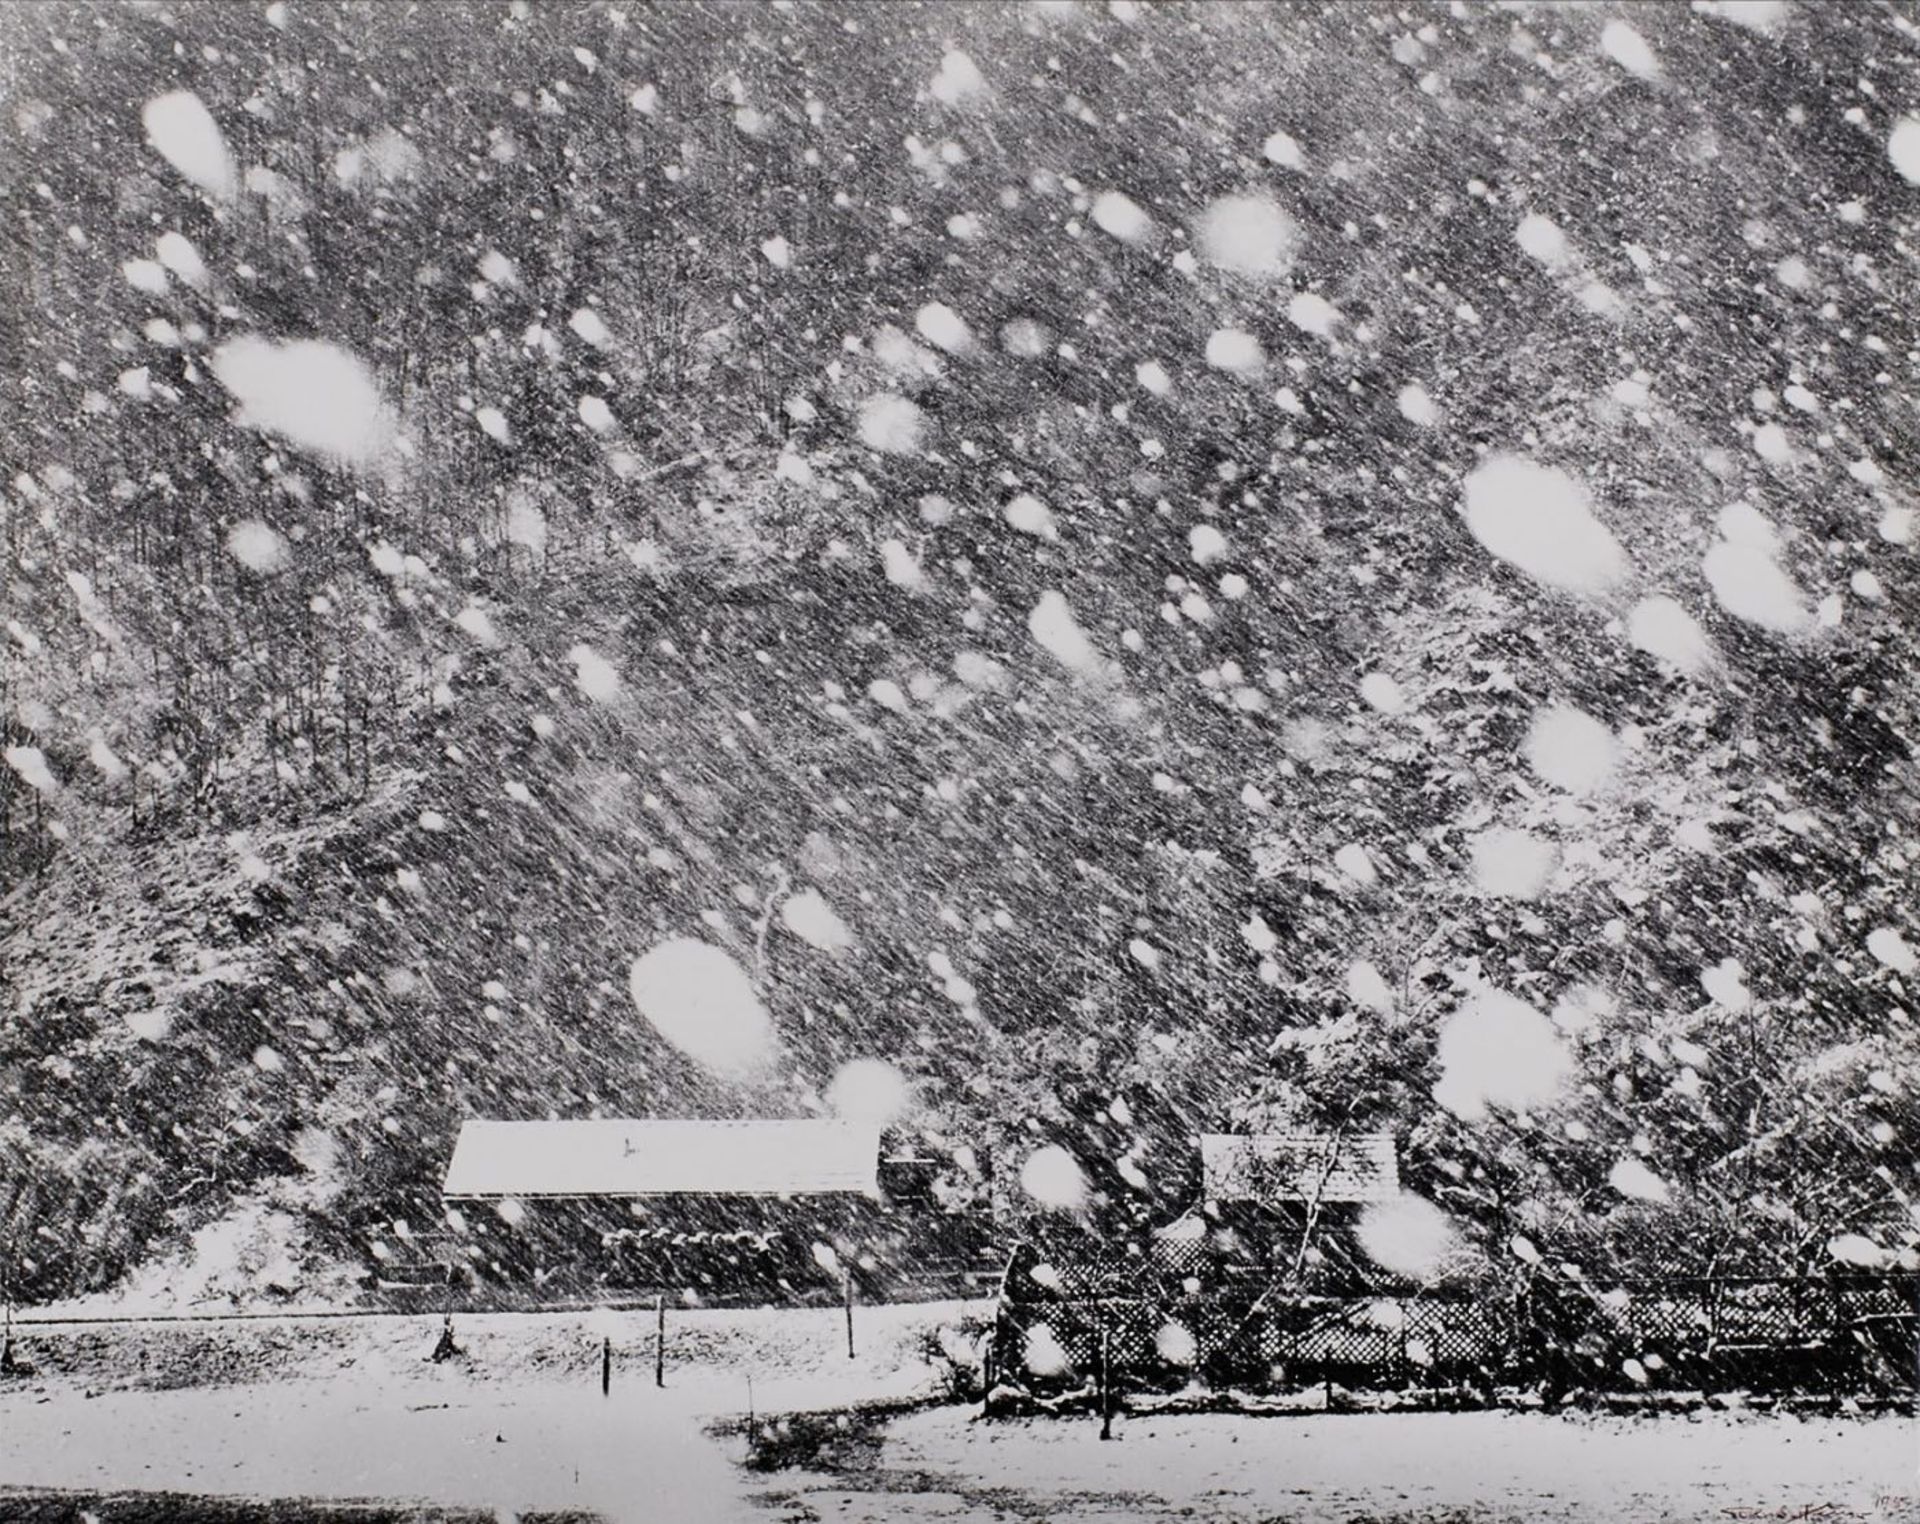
351,1409
944,1464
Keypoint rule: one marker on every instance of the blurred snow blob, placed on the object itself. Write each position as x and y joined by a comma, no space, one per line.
868,1090
1857,1249
313,394
810,918
1892,950
1571,749
702,1002
1043,1353
1249,235
1510,864
1052,1177
593,674
1407,1235
1903,148
1663,629
1121,217
1749,584
1174,1344
1632,1178
892,425
1539,519
1497,1050
184,133
257,546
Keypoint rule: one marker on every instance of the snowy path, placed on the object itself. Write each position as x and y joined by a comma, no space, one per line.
640,1455
1430,1466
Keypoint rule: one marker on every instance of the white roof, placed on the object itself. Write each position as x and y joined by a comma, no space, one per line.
664,1158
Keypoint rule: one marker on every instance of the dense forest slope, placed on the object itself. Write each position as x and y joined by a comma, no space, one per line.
1147,566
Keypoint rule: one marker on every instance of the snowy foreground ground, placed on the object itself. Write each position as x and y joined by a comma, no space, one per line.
338,1409
1429,1467
334,1411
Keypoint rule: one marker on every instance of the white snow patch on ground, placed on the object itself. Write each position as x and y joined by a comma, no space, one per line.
1571,749
702,1002
1662,628
314,394
1249,235
595,414
492,422
892,425
184,133
810,918
1540,520
1499,1051
1542,1468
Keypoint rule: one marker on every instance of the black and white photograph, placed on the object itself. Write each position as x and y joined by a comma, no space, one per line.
959,761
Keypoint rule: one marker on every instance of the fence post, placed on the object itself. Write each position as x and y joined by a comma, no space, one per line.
1106,1382
849,1292
446,1349
606,1365
660,1339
